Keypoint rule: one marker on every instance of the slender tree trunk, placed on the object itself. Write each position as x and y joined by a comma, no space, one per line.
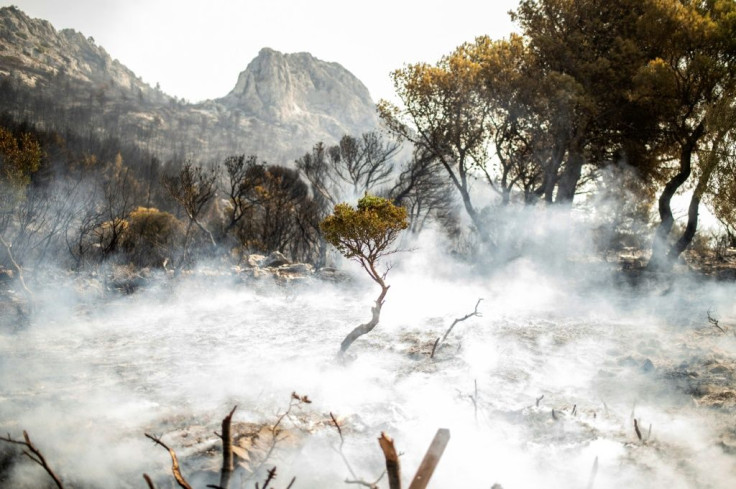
660,257
461,184
207,232
367,327
692,215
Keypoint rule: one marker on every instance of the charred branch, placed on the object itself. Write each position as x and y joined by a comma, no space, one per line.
636,429
227,450
35,455
393,468
715,323
439,341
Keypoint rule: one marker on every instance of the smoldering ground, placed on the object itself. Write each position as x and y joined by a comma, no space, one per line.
88,378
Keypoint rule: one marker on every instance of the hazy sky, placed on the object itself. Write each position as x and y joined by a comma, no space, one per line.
195,49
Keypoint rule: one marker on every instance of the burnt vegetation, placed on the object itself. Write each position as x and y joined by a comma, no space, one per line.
627,102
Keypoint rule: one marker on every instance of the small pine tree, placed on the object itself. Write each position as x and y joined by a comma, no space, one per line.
366,234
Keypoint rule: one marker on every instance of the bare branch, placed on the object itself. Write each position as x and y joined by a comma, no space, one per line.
715,323
149,481
174,463
35,455
458,320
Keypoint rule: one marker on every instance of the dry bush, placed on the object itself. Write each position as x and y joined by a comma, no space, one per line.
151,236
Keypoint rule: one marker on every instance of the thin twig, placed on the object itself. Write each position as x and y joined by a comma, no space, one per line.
714,322
271,476
355,479
150,482
434,347
458,320
295,400
35,455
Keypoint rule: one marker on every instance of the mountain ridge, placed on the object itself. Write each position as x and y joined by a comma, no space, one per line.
280,106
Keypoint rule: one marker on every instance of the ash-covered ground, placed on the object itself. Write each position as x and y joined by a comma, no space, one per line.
89,375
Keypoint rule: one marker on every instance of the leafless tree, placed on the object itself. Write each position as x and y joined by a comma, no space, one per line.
193,189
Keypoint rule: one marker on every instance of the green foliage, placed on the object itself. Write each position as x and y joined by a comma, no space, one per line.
365,233
19,158
150,236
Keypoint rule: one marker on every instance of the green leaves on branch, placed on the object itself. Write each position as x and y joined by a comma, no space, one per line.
365,233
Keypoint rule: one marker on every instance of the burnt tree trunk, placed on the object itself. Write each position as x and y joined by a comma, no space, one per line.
227,450
661,258
366,327
692,213
570,177
393,467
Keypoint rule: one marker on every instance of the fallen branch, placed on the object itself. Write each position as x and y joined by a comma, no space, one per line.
174,463
439,341
34,454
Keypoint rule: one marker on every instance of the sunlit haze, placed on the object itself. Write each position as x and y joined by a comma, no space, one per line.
195,50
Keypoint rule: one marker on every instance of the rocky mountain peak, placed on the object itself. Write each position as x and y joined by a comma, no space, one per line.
281,105
282,87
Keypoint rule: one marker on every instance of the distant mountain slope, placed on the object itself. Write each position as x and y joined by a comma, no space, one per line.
281,104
